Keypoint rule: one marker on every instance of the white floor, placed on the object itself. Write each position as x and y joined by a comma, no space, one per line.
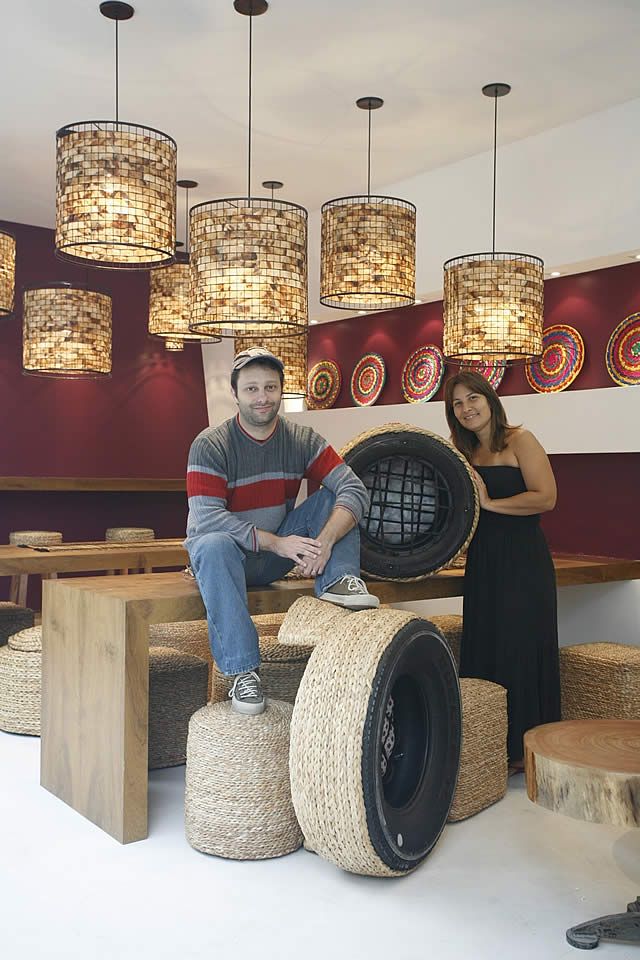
504,884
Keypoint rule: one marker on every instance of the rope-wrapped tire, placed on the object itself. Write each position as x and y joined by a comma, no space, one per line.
423,507
375,742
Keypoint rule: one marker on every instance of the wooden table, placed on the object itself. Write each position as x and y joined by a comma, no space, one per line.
95,673
91,556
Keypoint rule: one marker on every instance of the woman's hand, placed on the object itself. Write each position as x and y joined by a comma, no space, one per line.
483,495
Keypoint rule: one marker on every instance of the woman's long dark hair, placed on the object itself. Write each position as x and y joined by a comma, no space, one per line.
466,440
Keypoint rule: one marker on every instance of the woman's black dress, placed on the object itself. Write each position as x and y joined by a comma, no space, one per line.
510,629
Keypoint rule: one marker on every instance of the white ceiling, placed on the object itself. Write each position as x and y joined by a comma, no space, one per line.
183,69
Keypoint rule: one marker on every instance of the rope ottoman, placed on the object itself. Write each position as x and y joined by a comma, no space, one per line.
30,538
450,626
178,685
129,535
238,798
268,624
20,670
482,779
375,738
191,637
13,618
600,681
281,670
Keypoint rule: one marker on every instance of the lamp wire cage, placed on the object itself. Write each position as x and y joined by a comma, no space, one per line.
293,353
66,331
493,306
7,272
368,253
115,195
248,268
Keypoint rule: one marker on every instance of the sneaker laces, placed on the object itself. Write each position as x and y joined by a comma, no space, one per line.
354,584
245,686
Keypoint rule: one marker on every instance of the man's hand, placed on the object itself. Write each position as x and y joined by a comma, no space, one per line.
302,550
313,567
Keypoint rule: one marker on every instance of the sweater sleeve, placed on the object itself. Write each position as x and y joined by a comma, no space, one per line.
327,467
207,492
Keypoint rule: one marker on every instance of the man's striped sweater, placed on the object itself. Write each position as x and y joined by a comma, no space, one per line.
238,485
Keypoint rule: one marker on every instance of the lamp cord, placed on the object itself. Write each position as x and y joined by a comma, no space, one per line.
186,223
117,104
250,79
369,159
495,145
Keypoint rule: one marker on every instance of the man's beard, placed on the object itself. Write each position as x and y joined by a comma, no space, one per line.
261,418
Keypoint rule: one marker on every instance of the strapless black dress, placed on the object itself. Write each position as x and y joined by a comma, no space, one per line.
510,630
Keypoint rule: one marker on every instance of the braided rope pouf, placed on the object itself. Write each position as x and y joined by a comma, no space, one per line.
482,779
129,534
281,670
35,538
192,637
600,681
365,687
238,797
178,685
450,625
13,618
268,624
20,671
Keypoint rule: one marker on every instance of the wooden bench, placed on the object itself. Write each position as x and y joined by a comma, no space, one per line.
95,673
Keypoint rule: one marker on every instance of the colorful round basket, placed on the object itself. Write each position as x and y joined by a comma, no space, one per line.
623,352
323,385
422,374
367,379
561,360
491,370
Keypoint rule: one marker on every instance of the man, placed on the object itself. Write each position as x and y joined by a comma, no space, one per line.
243,478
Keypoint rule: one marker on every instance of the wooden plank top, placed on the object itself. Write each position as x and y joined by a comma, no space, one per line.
91,556
84,484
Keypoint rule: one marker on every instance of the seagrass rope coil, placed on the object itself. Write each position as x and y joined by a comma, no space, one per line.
20,682
35,538
281,670
129,534
600,681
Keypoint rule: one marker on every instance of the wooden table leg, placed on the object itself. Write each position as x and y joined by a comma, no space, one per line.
95,698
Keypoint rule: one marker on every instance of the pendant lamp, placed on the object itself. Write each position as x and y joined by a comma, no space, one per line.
368,246
115,187
249,254
66,331
173,345
493,302
7,272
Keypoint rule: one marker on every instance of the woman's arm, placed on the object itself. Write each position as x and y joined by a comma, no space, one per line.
541,493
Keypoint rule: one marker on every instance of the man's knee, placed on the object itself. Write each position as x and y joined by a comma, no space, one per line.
213,545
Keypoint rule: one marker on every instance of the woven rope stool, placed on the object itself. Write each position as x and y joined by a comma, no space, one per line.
238,798
13,619
191,637
281,670
375,737
268,624
20,671
451,627
177,688
482,779
600,681
129,535
30,538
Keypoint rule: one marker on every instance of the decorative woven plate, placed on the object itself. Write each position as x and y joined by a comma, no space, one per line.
323,384
367,379
623,352
422,373
491,370
561,360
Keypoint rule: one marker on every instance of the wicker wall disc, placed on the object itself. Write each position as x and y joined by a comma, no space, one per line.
491,370
623,352
561,360
367,379
323,385
422,374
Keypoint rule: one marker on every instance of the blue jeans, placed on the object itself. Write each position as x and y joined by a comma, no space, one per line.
223,571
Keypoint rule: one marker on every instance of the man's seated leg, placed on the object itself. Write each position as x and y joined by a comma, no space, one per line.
219,567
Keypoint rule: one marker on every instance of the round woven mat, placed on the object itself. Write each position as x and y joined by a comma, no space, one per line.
561,360
20,685
491,370
323,385
238,798
422,374
35,538
368,379
129,534
623,352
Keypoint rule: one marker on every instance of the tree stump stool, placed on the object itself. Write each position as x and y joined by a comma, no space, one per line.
600,681
238,795
13,618
178,685
30,538
20,682
589,770
129,535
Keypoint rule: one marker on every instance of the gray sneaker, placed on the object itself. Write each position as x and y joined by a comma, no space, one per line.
350,592
246,694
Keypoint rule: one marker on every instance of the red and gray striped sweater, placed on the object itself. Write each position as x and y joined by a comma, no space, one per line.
237,484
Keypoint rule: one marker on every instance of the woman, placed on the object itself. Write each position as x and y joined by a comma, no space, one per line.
510,632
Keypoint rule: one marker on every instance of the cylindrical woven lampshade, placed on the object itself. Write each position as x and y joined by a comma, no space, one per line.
7,272
293,353
174,345
248,268
368,253
66,331
115,195
493,306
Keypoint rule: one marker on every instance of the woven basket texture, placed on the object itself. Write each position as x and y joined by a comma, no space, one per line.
20,683
482,778
268,624
13,619
192,637
177,688
450,626
326,736
36,538
238,797
309,621
281,669
129,534
600,681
